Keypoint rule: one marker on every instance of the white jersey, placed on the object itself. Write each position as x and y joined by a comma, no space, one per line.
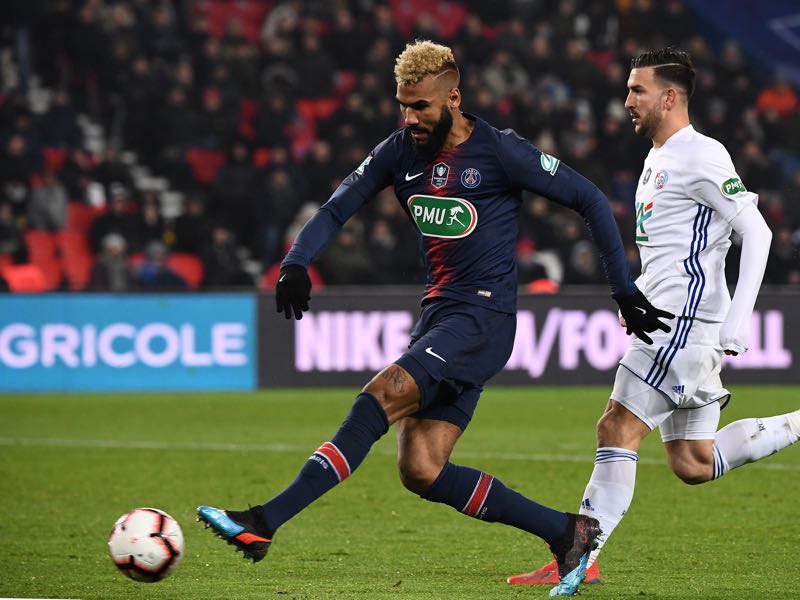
687,196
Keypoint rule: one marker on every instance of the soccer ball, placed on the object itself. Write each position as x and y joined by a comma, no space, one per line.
146,544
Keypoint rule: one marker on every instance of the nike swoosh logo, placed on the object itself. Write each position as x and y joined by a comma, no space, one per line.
410,177
282,278
640,309
430,351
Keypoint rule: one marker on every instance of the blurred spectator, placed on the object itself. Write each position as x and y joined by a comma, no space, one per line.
504,76
273,120
345,261
12,242
193,227
15,173
319,169
317,68
59,125
176,121
112,170
77,174
755,168
222,267
111,272
779,97
153,274
347,41
275,211
48,205
151,225
118,219
216,126
235,191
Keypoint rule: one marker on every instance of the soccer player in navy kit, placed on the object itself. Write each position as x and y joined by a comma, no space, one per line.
460,181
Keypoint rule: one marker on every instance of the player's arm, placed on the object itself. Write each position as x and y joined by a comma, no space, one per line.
756,238
717,185
540,173
293,290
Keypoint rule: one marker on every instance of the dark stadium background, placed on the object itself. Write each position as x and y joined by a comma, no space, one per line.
204,132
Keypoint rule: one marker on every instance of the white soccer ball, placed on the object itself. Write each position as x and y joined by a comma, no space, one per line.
146,544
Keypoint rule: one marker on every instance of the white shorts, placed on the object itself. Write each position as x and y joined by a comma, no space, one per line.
684,364
656,409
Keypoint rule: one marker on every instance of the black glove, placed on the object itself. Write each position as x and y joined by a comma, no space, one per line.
641,317
293,291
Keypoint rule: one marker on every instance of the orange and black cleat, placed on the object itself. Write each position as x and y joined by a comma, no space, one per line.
243,529
548,575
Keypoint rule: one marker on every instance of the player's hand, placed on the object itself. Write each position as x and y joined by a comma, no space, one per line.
293,291
640,317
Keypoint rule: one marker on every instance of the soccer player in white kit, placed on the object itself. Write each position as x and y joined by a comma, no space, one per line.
688,201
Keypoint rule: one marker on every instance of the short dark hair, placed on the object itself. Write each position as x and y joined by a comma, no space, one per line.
671,65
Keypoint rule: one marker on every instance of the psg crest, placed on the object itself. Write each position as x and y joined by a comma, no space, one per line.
470,178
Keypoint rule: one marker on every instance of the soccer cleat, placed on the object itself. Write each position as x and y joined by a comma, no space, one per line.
243,529
548,575
568,586
572,552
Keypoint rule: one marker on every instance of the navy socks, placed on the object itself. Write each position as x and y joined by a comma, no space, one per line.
469,491
480,495
331,463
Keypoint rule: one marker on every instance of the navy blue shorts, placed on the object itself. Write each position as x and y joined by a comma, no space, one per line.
455,348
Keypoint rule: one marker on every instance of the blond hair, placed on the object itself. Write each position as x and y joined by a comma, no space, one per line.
423,58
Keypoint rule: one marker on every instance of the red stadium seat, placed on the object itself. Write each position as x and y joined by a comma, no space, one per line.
43,252
77,258
205,164
188,267
24,279
247,112
80,216
54,158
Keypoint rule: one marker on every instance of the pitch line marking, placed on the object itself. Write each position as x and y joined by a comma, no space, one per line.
293,448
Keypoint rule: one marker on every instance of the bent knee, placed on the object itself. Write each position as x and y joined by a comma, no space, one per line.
396,392
418,478
693,474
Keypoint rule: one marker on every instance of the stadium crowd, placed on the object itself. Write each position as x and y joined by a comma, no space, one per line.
254,111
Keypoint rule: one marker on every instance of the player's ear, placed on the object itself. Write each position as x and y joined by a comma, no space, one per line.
454,98
671,98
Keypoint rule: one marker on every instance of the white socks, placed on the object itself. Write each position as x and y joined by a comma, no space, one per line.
750,440
609,491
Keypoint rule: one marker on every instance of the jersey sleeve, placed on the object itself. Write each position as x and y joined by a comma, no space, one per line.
530,169
370,177
526,166
713,182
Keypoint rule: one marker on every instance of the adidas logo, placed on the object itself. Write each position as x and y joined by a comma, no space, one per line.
586,504
678,389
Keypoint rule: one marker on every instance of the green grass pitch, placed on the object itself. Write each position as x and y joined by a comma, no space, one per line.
70,465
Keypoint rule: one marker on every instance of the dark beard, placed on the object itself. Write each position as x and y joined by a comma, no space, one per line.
438,134
648,126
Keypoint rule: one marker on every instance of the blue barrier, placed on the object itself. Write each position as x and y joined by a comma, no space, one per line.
70,342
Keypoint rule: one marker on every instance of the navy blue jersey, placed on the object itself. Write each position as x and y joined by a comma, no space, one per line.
465,204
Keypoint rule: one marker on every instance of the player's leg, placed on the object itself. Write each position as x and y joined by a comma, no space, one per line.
635,409
423,452
698,453
750,440
390,395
